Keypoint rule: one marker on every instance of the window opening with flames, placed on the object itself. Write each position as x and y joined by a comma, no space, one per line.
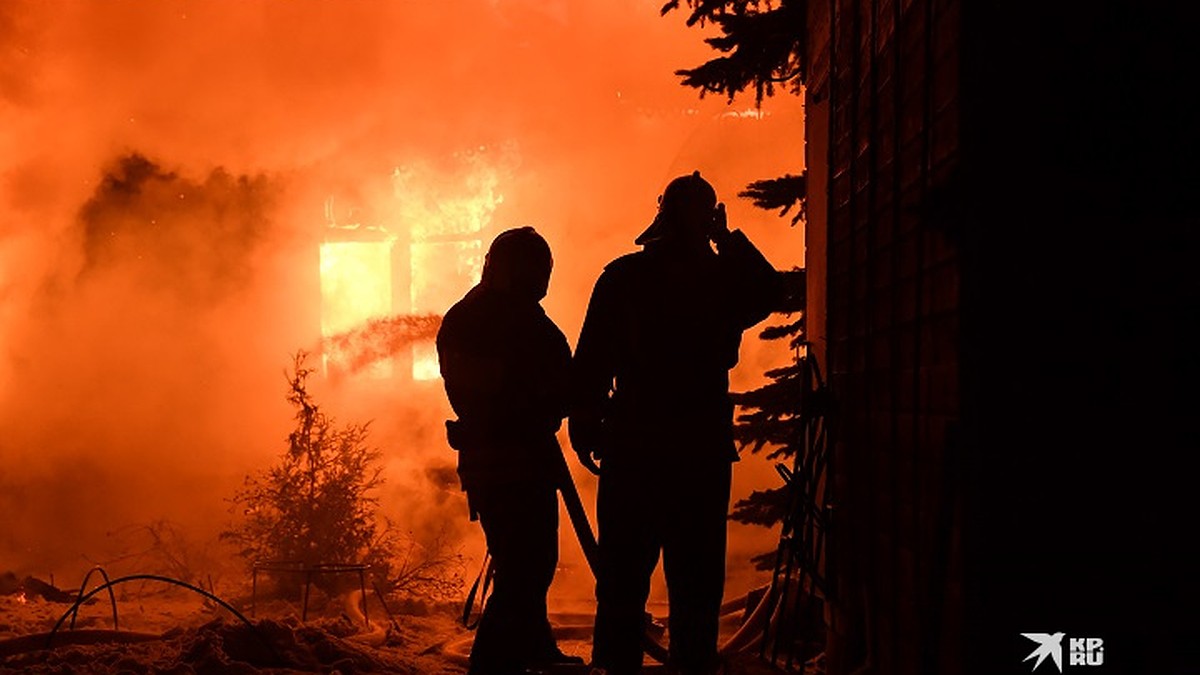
413,255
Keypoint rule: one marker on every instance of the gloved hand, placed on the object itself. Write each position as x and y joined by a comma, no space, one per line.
456,434
718,230
587,439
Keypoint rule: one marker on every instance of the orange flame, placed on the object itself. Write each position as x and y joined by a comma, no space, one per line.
422,255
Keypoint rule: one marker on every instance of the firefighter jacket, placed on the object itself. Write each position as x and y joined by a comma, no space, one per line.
504,364
650,375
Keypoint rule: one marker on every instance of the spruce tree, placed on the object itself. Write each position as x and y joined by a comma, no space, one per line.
319,505
762,48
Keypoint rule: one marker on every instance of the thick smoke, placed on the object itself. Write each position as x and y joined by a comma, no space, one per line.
164,171
130,388
195,241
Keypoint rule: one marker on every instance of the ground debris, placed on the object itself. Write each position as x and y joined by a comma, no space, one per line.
266,647
30,588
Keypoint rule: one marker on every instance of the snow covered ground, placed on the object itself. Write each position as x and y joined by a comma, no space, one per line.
175,631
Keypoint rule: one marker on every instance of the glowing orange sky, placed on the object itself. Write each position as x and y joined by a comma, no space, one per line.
122,401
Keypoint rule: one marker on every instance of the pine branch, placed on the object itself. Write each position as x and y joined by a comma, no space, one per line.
764,561
706,10
794,328
785,193
779,435
762,507
762,45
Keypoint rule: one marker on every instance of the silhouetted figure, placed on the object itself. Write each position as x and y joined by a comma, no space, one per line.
650,399
505,364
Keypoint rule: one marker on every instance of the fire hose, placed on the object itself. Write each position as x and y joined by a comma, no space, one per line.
591,548
41,641
591,552
750,634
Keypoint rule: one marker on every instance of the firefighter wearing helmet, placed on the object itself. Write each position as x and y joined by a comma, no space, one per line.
504,364
651,414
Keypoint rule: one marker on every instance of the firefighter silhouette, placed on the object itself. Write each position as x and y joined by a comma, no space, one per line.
504,364
650,401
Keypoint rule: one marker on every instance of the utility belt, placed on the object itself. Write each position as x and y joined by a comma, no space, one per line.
504,459
463,435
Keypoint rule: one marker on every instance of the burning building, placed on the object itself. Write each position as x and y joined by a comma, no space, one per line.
142,340
410,254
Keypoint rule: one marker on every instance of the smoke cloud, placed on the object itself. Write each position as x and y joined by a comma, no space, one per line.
164,174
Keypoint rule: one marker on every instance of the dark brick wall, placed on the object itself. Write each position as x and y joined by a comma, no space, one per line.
1009,313
889,72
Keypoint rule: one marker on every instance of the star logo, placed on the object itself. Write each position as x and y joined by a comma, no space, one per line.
1049,644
